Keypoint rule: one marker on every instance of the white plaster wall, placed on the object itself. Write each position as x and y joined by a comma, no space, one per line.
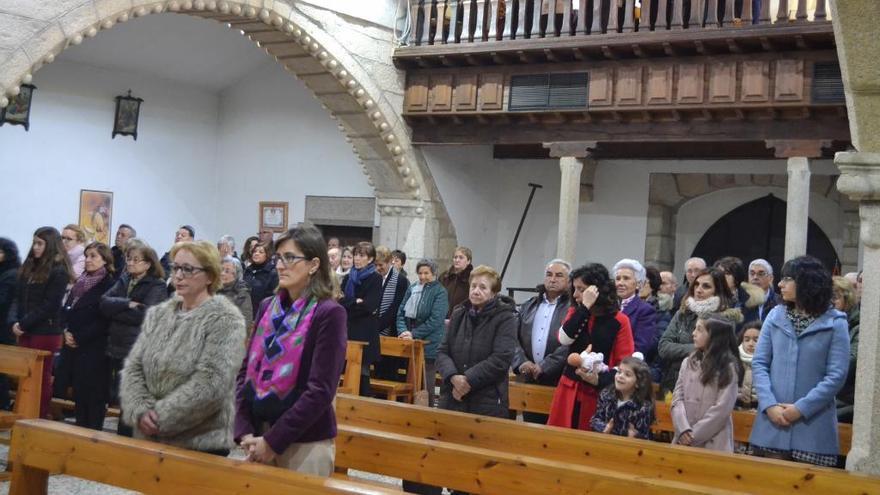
160,181
276,143
485,198
697,215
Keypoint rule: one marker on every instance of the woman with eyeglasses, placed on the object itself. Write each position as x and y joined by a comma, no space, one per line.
74,239
178,384
261,275
362,294
33,317
284,408
799,366
85,337
140,287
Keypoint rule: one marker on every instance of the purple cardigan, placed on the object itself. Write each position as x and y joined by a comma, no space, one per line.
312,417
643,320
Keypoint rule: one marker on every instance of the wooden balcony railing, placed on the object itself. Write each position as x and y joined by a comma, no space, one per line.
460,22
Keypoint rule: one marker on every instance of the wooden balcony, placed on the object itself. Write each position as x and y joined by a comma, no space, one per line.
446,33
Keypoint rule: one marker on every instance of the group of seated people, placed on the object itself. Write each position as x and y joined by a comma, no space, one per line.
204,349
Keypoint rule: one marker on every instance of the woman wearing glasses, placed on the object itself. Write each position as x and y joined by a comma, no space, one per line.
141,286
284,407
178,384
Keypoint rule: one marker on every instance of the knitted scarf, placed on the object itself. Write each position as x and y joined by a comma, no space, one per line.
744,356
356,276
704,307
277,347
86,282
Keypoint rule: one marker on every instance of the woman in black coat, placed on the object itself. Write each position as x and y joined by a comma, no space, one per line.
261,276
362,293
39,293
85,336
125,305
9,263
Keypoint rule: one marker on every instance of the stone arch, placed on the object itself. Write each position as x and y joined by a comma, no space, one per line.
412,212
670,192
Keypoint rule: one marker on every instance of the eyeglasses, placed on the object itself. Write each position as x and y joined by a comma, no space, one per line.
187,270
787,279
758,274
288,259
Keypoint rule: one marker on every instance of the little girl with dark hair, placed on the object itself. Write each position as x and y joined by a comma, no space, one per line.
707,386
627,407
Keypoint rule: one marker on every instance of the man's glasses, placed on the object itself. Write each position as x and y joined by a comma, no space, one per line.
187,270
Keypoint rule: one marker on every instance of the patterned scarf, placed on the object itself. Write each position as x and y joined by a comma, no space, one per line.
355,277
388,292
86,282
800,321
277,347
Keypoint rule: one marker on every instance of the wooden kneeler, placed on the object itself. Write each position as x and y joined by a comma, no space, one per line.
26,365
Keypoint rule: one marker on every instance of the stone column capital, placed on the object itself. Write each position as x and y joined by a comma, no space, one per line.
859,175
789,148
576,149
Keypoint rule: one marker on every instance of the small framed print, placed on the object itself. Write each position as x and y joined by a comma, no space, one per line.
96,214
273,216
128,110
18,111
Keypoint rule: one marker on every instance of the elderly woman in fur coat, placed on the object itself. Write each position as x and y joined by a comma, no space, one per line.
178,383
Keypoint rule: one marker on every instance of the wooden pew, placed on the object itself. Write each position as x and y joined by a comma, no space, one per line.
537,398
414,352
25,365
44,447
351,377
639,458
482,471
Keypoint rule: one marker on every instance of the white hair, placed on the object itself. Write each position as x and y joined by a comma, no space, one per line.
696,258
633,265
763,263
228,240
558,261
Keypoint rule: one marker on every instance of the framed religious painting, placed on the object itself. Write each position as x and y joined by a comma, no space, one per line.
128,110
273,216
96,214
18,111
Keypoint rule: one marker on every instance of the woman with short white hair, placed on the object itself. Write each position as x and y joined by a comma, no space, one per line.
629,276
236,289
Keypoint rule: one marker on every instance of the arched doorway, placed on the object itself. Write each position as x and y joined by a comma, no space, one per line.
757,230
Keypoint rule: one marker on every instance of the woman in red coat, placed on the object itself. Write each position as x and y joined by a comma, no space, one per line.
594,322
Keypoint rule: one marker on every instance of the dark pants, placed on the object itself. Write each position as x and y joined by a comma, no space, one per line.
115,367
4,393
49,343
537,418
90,387
365,385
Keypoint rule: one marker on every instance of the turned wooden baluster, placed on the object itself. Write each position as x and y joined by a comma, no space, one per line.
507,31
479,30
440,37
819,15
782,13
536,18
678,14
596,25
613,15
662,8
629,22
426,22
645,17
550,30
491,20
764,16
746,14
566,19
802,11
581,27
711,14
521,33
466,35
729,13
454,7
695,18
417,22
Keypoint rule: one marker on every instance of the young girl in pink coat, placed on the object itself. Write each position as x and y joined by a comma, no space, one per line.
706,390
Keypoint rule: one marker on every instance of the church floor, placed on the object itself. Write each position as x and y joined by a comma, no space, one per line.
66,485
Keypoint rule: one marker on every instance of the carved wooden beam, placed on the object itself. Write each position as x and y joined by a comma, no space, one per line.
788,148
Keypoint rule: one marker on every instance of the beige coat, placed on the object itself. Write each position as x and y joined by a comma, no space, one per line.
705,410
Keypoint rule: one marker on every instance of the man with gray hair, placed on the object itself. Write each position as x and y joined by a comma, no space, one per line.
226,246
761,275
692,267
539,357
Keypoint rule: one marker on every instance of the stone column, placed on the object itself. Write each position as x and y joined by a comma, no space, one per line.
860,180
571,164
797,212
412,226
797,216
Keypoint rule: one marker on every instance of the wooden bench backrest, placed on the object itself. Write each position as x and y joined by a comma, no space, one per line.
637,457
351,377
44,447
537,398
26,365
478,470
413,350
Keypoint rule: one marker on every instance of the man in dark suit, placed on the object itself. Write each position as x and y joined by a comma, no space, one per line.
539,357
761,274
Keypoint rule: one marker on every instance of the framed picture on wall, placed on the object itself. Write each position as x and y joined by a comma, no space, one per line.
18,111
96,214
273,216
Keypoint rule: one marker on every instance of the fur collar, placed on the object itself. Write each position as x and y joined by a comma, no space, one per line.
704,307
756,295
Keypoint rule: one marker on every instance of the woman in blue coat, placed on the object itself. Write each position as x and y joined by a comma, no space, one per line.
798,368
